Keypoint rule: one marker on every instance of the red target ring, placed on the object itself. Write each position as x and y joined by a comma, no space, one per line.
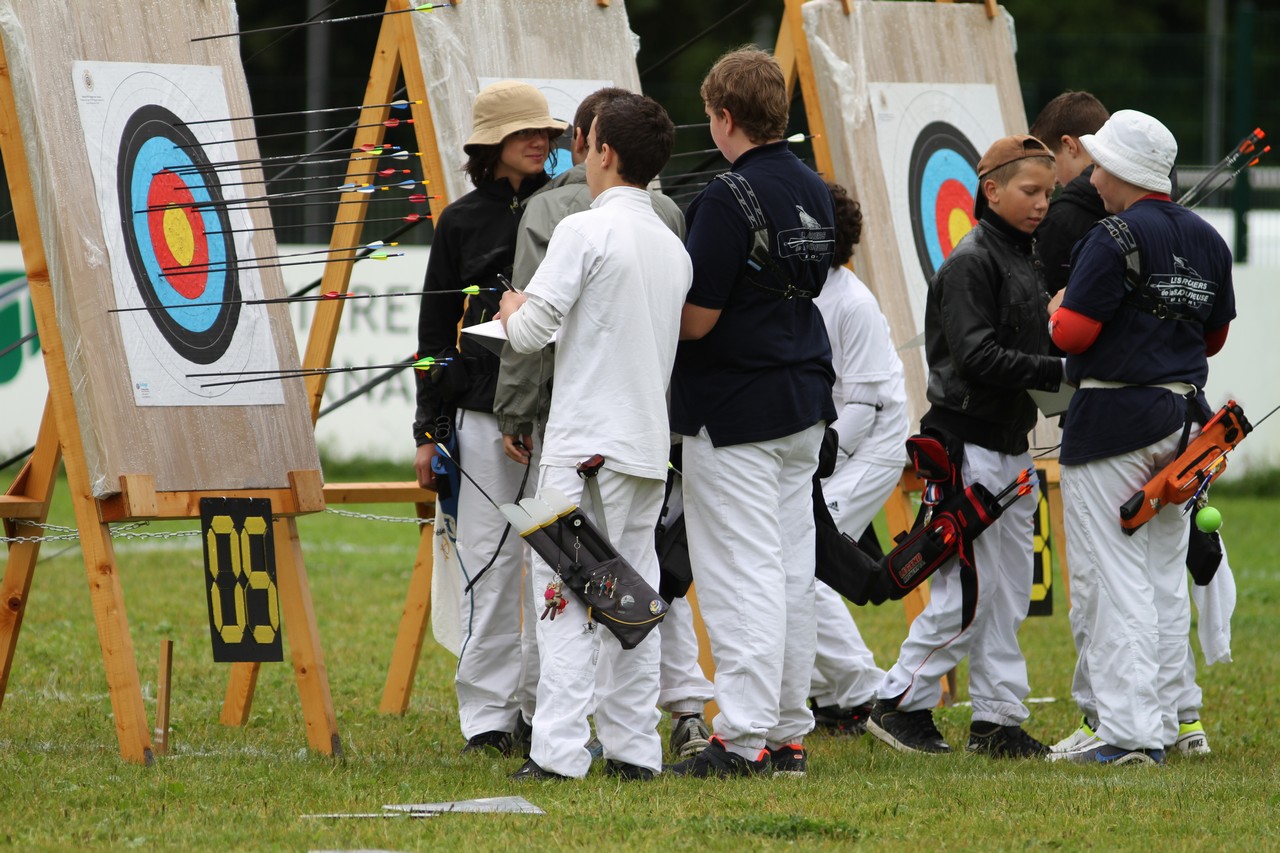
177,233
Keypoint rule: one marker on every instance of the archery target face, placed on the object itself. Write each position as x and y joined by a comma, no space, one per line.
930,138
171,236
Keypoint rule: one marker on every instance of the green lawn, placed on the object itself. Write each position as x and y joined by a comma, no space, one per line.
63,785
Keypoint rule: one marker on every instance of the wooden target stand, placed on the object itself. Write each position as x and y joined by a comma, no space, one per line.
59,440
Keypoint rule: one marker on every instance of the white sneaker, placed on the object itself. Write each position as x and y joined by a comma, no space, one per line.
1082,735
1192,739
1080,741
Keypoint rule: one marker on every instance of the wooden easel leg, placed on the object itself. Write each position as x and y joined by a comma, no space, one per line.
118,657
239,698
304,640
413,626
35,482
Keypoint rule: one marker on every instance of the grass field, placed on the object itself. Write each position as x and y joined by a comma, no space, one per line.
63,785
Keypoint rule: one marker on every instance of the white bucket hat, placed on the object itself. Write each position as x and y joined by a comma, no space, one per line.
1135,148
506,107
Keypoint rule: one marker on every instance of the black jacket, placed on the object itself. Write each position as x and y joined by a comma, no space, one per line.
474,243
986,334
1076,209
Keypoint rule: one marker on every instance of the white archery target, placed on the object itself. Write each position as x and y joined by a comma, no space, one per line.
166,251
930,137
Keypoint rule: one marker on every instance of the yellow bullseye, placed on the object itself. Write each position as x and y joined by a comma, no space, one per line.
958,225
178,234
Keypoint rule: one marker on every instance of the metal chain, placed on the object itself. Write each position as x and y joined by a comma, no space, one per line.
395,519
126,531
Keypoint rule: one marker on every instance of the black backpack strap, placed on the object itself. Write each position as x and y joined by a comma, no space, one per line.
1139,294
762,270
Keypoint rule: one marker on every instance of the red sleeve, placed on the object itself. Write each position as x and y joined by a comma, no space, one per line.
1072,331
1215,339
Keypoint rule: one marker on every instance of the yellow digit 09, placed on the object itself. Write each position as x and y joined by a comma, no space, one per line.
233,631
258,577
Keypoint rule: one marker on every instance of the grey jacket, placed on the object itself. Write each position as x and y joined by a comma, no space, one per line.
523,394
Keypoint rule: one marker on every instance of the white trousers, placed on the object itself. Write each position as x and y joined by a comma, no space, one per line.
845,674
1214,602
498,665
683,687
749,515
1130,595
582,662
936,642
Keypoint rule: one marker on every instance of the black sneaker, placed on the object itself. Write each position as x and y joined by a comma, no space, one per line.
499,742
715,760
627,772
530,771
1000,741
788,760
689,736
906,731
841,721
522,737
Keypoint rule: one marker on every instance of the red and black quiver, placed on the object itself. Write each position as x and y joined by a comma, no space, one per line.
951,517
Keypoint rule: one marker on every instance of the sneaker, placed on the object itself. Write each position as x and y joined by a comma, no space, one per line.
596,748
627,772
906,731
1191,739
715,760
788,760
1000,741
841,721
532,771
522,737
1082,737
689,736
1114,755
499,742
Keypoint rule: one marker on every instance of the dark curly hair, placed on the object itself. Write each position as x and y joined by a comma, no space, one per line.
848,224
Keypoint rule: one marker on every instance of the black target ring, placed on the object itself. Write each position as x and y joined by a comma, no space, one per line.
155,142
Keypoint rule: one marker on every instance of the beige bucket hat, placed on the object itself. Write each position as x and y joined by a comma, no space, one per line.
505,107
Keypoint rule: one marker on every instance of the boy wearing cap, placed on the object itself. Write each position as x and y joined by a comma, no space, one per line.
474,244
986,340
1149,299
751,394
1075,211
613,282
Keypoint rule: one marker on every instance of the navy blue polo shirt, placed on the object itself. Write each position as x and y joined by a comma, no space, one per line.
1189,264
764,370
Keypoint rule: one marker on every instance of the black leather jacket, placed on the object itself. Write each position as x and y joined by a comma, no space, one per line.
986,339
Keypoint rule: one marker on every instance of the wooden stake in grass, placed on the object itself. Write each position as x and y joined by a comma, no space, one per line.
160,739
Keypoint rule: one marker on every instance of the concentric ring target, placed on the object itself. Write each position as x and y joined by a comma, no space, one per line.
942,180
174,218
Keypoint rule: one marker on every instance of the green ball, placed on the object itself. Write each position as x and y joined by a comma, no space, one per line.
1208,519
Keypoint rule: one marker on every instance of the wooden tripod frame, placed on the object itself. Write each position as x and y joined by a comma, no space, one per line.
59,440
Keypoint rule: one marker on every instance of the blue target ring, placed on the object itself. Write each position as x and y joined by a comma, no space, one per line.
176,235
942,184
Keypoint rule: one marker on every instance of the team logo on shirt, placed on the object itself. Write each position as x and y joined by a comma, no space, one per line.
811,241
1185,290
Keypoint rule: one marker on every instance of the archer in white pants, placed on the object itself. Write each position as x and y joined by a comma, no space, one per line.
845,674
497,665
938,640
582,661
